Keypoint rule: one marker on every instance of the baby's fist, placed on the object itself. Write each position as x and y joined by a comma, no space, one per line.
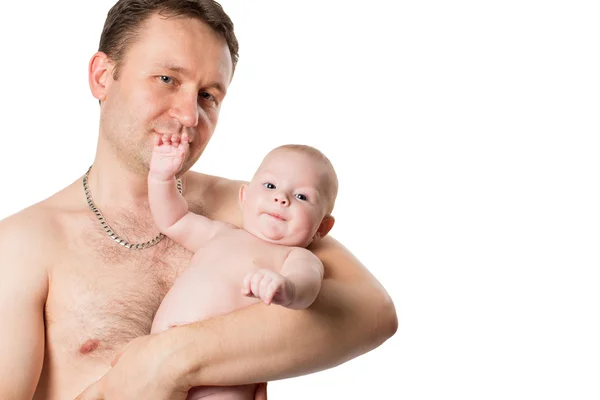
269,286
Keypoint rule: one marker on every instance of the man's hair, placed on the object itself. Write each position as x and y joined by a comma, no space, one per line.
125,19
317,155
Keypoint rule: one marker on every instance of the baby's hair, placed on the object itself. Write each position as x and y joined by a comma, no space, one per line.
317,155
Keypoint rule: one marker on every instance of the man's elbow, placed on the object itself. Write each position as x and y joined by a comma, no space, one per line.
387,320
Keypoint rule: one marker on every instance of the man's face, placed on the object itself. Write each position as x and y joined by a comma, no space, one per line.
286,200
172,78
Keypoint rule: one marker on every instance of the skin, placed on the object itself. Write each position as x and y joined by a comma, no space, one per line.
284,207
72,301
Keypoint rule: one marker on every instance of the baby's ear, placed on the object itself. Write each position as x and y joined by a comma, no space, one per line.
325,226
242,195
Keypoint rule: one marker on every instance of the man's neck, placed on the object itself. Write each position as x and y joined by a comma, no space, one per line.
115,184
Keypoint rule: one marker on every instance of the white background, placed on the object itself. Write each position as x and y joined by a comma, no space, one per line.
465,135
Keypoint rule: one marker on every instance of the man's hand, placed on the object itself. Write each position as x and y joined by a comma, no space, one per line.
139,372
269,286
168,155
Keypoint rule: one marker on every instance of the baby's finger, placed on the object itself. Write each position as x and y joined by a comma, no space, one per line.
185,138
184,145
246,284
273,287
255,282
264,285
157,140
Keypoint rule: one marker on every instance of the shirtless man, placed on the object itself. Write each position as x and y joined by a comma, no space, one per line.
73,300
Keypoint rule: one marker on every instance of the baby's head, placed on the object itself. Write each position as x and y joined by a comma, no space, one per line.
291,196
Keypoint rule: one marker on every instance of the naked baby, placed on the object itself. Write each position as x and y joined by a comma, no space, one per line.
286,206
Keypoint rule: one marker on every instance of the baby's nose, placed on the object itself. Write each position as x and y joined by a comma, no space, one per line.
281,199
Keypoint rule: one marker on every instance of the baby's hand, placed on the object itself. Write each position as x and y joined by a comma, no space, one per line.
168,155
269,286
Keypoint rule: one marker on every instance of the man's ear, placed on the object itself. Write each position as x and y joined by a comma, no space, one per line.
243,194
99,74
325,227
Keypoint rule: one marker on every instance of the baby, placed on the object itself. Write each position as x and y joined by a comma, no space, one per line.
285,207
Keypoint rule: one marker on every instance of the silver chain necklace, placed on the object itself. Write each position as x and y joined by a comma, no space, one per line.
108,229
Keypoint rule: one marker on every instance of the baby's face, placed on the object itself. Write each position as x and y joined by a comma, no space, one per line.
285,202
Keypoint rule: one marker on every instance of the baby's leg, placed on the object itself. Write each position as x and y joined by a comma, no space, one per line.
201,292
245,392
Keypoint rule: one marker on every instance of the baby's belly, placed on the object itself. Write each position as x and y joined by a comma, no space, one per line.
199,293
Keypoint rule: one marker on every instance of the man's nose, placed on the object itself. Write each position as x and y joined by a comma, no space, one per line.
281,199
186,109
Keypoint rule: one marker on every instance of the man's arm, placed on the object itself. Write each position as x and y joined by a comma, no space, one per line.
23,290
352,314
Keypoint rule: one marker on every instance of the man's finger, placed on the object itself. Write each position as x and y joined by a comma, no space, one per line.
120,353
93,392
116,359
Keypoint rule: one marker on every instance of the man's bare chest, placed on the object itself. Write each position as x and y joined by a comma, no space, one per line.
98,302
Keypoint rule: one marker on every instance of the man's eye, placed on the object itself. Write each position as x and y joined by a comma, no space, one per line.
207,96
166,79
269,185
301,196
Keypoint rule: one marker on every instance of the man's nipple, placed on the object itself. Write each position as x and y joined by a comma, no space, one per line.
89,346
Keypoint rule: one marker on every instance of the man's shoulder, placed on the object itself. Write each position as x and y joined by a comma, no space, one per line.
214,184
30,231
218,196
27,241
33,221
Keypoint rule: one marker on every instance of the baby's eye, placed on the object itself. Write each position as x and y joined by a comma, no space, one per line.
269,185
301,196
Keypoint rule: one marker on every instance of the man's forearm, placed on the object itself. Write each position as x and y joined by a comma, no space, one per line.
262,343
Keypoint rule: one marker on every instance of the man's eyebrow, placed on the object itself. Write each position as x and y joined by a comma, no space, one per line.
186,72
174,68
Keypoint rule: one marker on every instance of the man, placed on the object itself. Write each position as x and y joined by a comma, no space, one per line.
76,296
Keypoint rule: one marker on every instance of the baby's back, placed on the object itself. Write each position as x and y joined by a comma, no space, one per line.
212,283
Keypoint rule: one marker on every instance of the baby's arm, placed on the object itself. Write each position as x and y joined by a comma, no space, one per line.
169,208
296,286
